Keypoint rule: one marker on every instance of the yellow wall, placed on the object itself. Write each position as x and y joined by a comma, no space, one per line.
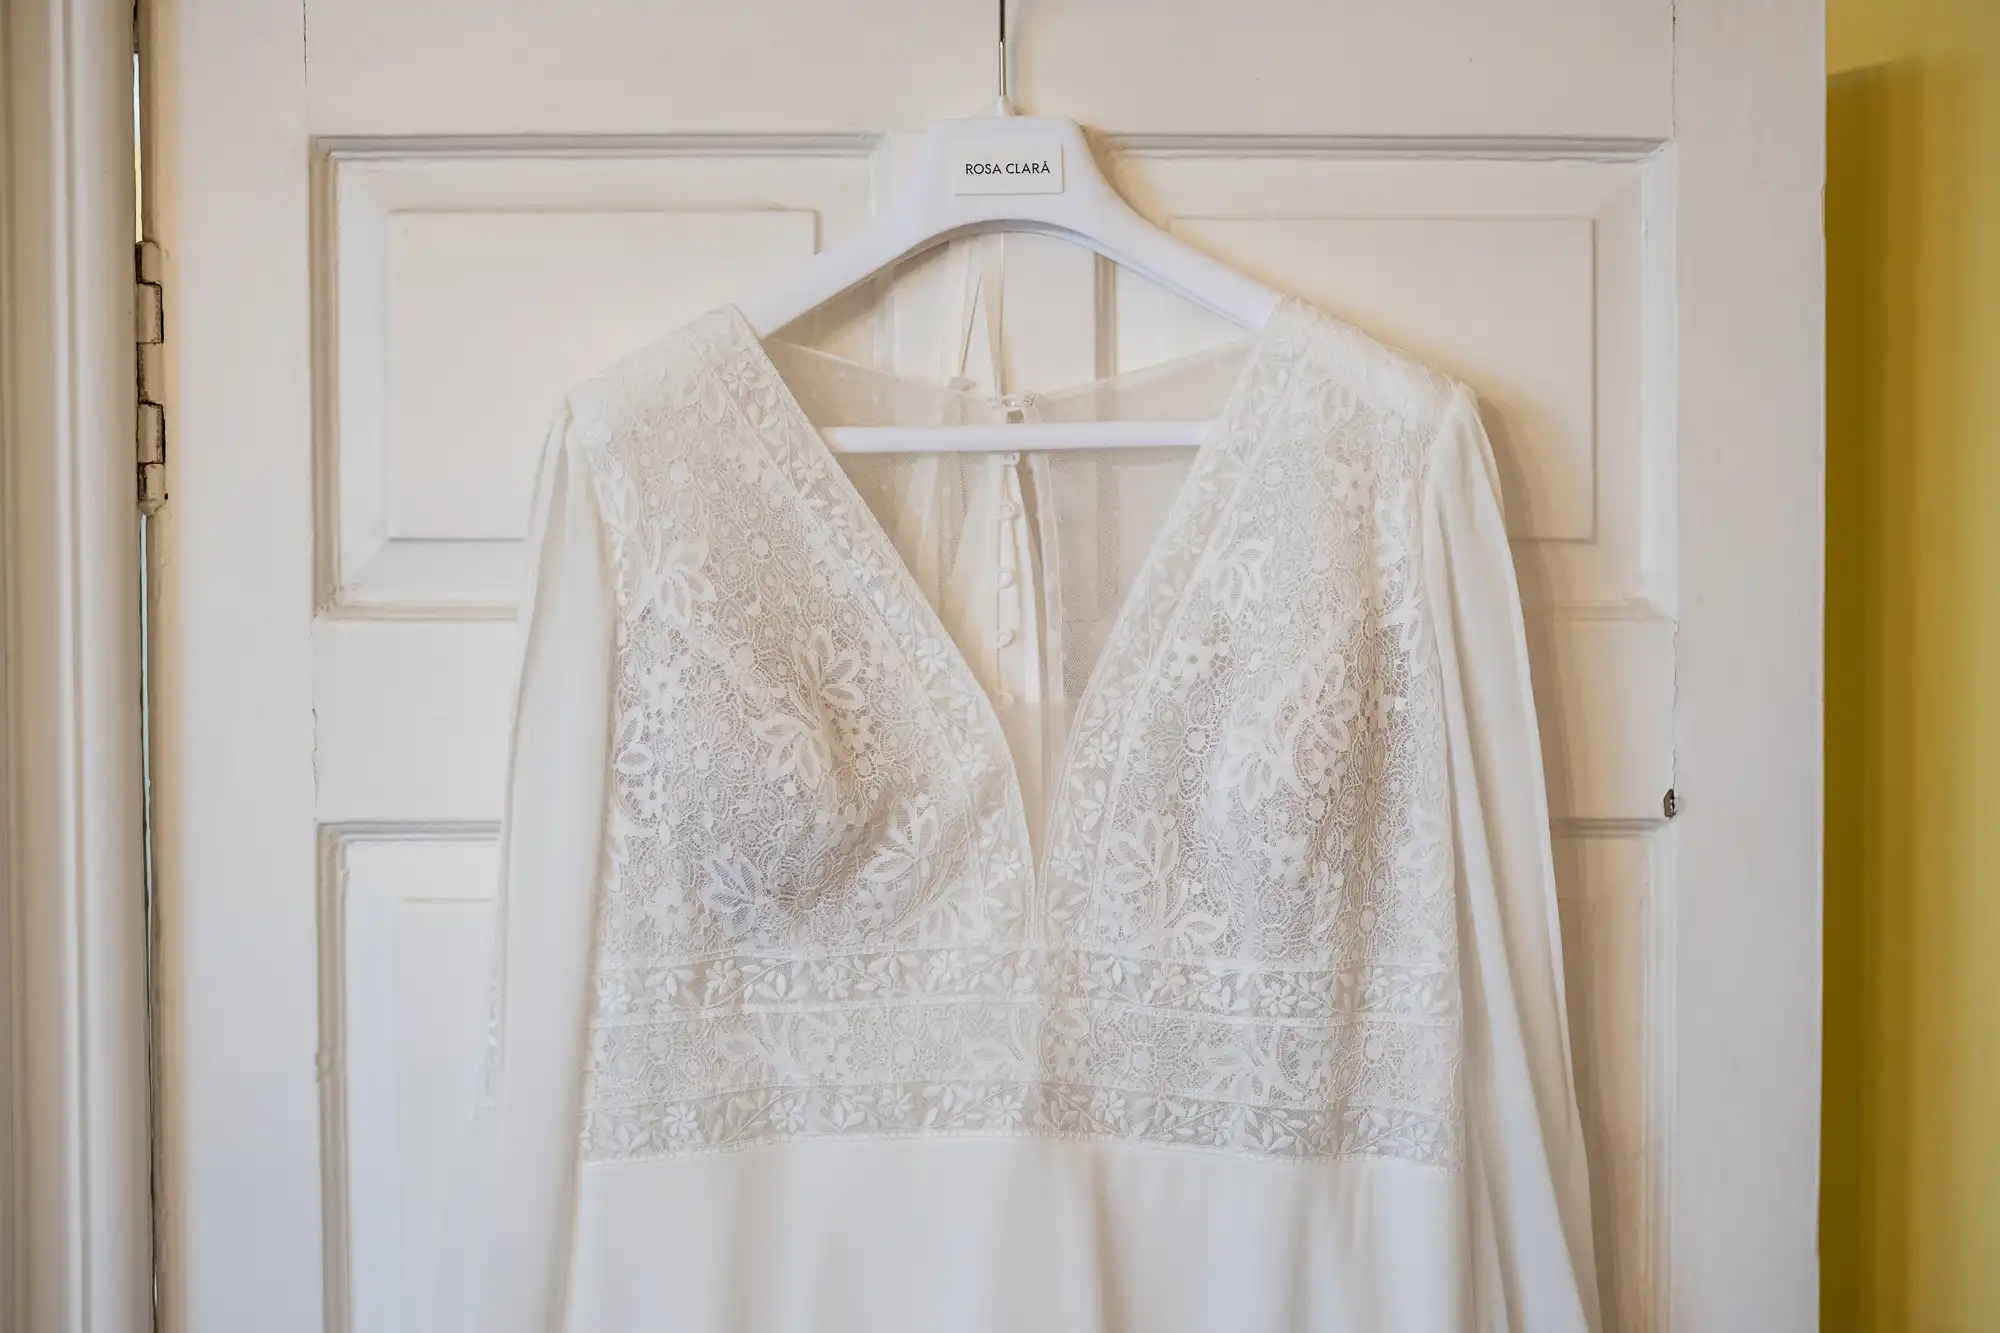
1910,1218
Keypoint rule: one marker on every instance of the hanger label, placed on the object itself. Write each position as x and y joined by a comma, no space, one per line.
1026,166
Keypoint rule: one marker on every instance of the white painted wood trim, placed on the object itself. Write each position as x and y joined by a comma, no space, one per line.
235,853
1744,1061
76,1169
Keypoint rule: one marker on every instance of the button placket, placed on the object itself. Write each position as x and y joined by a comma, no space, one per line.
1011,590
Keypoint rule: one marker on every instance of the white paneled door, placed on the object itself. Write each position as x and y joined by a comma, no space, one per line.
395,230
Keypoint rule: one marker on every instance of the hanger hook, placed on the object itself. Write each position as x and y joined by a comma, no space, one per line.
1005,106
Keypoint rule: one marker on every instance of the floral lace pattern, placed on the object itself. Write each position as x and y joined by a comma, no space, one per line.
819,915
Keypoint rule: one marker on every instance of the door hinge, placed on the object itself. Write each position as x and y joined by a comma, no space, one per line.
150,319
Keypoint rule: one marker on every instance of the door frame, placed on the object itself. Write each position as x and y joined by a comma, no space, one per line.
75,1208
1748,420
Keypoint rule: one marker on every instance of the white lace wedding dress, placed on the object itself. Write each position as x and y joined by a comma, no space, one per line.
1102,892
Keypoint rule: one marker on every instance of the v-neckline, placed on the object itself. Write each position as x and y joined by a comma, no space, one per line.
883,547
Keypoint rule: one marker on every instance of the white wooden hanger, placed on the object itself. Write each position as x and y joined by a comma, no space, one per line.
1005,172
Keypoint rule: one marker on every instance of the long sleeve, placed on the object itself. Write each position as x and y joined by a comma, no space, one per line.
505,1247
1529,1200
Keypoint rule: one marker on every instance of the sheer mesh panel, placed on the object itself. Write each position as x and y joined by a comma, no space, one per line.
1109,504
920,501
838,392
1093,513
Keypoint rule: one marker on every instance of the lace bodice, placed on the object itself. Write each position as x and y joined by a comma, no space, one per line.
822,913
